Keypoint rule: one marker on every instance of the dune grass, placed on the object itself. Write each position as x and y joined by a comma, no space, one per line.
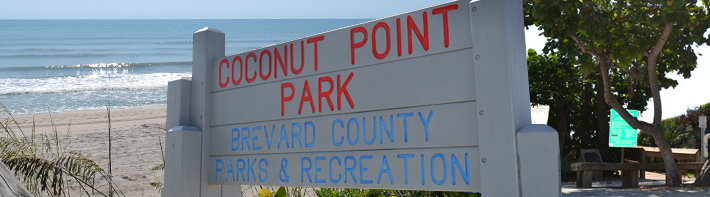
44,164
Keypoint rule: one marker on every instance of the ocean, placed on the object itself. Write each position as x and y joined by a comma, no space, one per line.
70,65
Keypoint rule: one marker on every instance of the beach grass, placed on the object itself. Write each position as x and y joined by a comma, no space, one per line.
44,164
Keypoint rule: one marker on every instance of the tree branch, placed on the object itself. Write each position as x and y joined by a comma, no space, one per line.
653,73
661,40
618,11
610,99
584,49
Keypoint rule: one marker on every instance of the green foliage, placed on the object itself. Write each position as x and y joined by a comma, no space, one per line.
45,166
566,167
332,192
681,131
157,184
553,79
281,192
679,135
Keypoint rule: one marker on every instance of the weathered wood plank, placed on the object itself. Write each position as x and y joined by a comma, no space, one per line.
586,166
678,153
9,184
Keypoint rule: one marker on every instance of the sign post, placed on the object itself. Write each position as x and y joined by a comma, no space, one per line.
433,99
703,123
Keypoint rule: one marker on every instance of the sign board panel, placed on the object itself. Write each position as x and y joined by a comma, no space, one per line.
621,134
703,121
388,103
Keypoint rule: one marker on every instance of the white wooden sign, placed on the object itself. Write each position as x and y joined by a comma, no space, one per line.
424,100
379,104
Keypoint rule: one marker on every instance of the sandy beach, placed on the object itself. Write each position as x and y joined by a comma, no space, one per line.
135,134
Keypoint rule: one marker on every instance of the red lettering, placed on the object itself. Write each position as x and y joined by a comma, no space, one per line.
423,39
325,94
246,68
399,37
343,90
354,45
261,61
374,40
315,40
283,62
286,99
306,96
223,85
445,12
241,64
293,69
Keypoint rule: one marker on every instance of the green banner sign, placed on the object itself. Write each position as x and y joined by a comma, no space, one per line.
621,134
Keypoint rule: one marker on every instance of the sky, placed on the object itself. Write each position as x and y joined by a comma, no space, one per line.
689,93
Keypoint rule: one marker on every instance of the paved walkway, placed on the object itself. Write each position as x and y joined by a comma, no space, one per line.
653,185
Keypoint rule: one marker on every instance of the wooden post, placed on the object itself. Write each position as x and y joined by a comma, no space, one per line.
629,178
207,45
643,160
584,179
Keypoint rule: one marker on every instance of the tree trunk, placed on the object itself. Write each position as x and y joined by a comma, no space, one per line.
673,178
602,121
703,179
562,125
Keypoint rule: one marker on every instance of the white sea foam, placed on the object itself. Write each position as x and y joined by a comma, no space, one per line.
96,79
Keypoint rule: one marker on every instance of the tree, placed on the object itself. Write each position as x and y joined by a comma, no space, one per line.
555,82
631,41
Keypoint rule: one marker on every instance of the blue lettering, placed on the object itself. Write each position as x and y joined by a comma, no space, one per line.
374,130
433,178
383,170
318,170
404,116
266,173
350,169
422,169
241,170
406,170
245,138
230,169
426,124
235,139
283,137
250,169
282,174
253,138
269,139
333,133
305,135
357,131
219,169
454,161
362,181
390,131
294,136
331,169
306,170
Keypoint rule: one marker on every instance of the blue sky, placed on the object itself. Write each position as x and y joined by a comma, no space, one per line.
208,9
691,92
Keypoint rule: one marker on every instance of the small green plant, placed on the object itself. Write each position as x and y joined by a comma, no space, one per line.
44,165
157,184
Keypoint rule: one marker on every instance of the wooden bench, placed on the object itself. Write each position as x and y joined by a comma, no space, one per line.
687,154
629,171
